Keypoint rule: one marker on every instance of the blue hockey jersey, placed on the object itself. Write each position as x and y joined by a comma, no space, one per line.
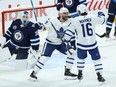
71,5
114,1
21,36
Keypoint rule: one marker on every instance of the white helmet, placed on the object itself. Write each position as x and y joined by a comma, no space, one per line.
82,8
64,10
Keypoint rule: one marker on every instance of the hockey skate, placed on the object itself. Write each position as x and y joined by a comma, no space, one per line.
68,75
80,75
33,77
100,78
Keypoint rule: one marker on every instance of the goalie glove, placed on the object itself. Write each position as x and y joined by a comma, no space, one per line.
73,44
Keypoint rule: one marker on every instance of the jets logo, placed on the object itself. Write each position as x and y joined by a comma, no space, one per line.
69,3
18,36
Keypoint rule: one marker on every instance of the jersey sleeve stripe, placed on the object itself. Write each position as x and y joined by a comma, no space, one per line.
8,34
34,44
33,40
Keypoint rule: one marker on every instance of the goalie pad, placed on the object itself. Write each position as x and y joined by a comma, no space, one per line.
2,41
4,54
33,56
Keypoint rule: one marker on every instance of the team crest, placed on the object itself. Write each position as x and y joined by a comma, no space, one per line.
69,3
14,27
18,36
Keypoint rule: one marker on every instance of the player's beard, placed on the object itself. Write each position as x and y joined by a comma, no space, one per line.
63,19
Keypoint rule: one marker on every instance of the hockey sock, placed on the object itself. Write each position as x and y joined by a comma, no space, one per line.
81,64
98,66
40,63
69,62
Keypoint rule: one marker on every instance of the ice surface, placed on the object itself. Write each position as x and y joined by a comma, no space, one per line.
52,73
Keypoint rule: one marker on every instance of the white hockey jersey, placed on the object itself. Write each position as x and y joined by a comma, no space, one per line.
52,35
85,27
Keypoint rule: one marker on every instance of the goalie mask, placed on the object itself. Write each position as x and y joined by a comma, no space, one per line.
25,17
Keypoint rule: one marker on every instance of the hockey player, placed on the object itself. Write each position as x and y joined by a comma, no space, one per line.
20,36
85,26
57,27
71,5
111,17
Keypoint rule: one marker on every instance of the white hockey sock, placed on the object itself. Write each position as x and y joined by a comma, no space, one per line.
81,64
69,62
40,63
98,66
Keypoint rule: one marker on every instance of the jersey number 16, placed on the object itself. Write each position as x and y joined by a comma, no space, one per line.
87,29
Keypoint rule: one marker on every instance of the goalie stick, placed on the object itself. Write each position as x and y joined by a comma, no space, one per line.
57,34
33,9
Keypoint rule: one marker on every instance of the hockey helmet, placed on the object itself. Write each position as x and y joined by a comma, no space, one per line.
82,8
64,10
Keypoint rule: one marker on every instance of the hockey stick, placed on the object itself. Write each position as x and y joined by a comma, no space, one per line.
57,34
101,36
33,9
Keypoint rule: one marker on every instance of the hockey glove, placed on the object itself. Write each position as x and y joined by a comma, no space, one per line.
100,14
69,48
40,26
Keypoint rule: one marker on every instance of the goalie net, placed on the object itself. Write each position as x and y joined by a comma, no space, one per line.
8,15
